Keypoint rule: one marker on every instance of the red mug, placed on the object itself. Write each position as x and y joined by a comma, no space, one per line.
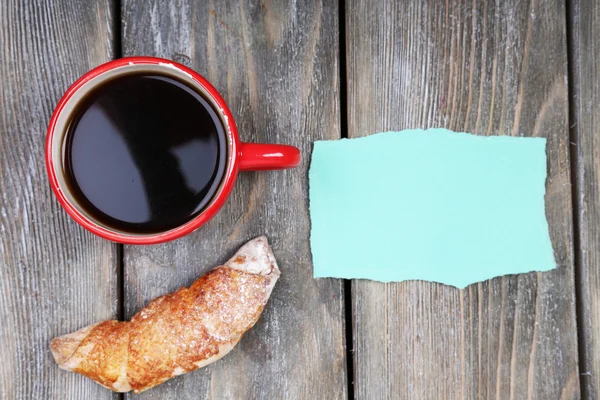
240,156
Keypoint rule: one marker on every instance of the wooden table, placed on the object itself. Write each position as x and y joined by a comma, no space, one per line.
294,72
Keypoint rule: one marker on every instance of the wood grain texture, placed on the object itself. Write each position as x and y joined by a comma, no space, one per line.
488,67
585,42
54,277
276,65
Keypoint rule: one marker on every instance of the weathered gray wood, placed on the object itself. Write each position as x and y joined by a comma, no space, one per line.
54,277
491,67
585,18
276,64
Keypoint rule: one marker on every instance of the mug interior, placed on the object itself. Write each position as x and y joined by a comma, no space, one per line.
60,130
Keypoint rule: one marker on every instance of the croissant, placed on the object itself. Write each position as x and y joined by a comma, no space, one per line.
178,332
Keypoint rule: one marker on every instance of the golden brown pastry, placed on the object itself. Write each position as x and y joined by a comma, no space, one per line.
178,332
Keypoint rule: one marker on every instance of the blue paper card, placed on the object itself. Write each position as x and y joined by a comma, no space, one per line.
431,204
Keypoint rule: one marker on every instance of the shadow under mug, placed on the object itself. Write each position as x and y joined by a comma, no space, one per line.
240,156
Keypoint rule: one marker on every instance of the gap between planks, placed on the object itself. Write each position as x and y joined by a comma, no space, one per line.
576,188
344,135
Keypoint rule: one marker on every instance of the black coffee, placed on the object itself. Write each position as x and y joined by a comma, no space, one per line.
144,154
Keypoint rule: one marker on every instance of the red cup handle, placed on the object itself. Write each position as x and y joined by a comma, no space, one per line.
256,157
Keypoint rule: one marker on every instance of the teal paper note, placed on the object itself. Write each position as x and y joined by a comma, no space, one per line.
434,205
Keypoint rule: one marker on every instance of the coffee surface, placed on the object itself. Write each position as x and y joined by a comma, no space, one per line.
144,154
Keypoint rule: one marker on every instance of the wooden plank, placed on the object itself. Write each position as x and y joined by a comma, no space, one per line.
276,64
54,276
492,67
585,18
